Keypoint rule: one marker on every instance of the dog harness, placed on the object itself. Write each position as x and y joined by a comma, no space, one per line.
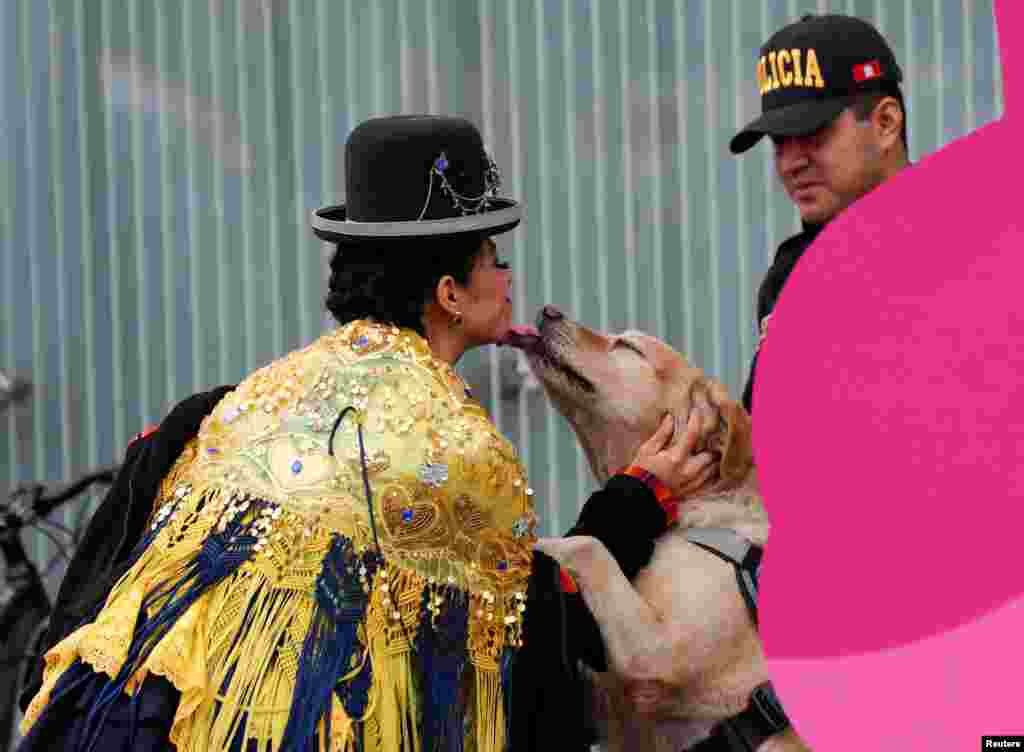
764,716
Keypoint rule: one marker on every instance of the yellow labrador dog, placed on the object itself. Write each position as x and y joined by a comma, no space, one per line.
683,650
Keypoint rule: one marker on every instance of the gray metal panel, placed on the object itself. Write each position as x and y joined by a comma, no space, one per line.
160,163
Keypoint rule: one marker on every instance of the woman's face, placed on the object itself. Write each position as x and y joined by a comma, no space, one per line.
487,306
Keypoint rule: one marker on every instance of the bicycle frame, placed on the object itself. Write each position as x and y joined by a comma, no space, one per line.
25,605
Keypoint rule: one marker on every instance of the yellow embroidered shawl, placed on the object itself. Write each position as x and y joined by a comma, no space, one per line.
260,592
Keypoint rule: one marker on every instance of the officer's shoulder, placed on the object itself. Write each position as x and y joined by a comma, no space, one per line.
794,243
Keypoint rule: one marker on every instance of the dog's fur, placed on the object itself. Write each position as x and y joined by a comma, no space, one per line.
682,651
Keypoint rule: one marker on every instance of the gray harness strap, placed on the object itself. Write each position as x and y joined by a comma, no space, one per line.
764,715
737,550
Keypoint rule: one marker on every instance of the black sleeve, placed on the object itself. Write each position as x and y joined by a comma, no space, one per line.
748,390
627,518
766,294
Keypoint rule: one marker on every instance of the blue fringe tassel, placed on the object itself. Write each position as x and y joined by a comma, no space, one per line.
355,694
220,556
330,644
508,657
441,660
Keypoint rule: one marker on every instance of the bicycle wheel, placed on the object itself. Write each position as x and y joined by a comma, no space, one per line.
20,622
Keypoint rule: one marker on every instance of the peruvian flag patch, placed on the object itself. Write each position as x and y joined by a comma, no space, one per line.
867,71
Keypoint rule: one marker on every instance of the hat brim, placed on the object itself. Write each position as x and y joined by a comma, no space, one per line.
793,120
331,223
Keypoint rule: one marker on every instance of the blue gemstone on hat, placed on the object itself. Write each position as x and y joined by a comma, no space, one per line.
407,515
502,565
441,163
212,450
363,341
297,467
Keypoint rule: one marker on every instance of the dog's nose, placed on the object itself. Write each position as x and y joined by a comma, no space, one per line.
551,313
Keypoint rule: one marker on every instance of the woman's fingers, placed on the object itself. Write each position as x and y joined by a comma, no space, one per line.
689,440
698,471
661,437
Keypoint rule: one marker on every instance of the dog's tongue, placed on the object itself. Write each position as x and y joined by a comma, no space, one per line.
522,337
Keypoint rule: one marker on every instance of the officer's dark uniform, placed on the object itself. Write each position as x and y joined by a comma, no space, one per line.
771,287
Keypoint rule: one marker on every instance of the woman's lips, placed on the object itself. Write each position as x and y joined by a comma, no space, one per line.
521,337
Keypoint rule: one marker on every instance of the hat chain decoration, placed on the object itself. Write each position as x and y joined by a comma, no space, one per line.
465,204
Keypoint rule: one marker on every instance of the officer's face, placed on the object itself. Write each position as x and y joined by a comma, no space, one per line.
826,171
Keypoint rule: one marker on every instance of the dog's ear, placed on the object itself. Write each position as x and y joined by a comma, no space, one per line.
734,437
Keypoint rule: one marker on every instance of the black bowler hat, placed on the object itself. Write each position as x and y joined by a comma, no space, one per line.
811,70
414,176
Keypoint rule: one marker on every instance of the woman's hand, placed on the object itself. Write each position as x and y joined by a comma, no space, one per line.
674,464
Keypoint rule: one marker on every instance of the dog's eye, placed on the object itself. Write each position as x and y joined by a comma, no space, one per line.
625,343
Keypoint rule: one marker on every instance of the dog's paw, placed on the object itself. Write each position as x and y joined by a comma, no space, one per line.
566,551
577,554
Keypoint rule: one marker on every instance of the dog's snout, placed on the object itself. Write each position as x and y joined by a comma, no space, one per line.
551,313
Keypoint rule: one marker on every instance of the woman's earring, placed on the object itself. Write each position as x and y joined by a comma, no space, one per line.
457,321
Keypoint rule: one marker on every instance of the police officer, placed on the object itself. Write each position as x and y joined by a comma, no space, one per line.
832,105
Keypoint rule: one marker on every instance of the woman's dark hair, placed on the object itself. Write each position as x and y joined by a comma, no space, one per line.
391,281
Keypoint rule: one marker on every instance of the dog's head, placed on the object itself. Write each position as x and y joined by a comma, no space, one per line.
614,389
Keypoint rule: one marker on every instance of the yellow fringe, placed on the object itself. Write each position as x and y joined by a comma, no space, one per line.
490,713
393,707
395,721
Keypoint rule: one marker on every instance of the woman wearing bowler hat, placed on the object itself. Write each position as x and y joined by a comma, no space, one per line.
341,557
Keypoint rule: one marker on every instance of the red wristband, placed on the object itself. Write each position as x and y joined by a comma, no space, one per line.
568,583
661,492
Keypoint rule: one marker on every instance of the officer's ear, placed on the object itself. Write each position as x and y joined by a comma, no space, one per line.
887,122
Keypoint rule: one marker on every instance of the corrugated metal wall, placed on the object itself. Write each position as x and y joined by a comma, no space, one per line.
160,161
